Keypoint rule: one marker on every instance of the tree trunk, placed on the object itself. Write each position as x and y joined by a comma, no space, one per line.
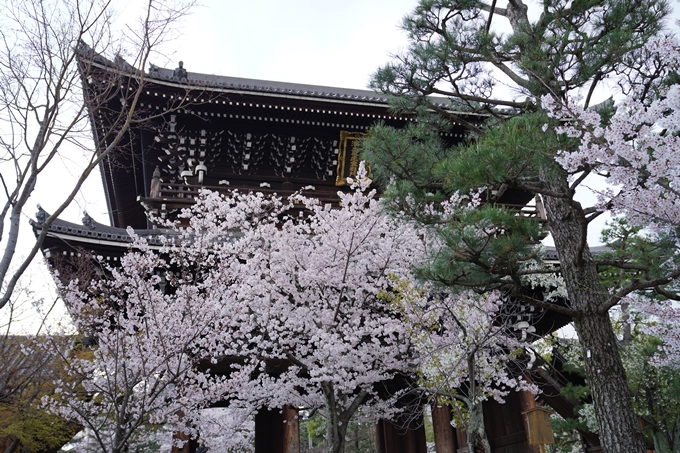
619,428
336,428
476,434
338,418
335,434
477,441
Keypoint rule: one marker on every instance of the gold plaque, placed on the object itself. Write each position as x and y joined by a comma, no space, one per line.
348,156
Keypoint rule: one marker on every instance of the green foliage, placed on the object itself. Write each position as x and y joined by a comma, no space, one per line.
592,35
634,255
655,391
567,47
360,436
313,428
479,246
512,153
458,51
418,160
37,430
566,431
26,373
409,155
568,354
576,392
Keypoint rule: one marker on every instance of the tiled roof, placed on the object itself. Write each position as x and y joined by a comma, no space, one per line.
267,86
94,230
165,75
235,83
551,253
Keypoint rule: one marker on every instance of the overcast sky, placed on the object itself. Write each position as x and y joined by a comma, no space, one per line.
321,42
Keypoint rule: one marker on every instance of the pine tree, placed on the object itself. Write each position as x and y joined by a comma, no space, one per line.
539,138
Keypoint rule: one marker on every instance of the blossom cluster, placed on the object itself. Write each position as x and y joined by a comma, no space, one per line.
636,149
465,337
664,323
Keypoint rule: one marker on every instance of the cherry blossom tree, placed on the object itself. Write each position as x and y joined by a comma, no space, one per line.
472,345
634,145
666,327
311,300
140,366
652,360
472,349
285,298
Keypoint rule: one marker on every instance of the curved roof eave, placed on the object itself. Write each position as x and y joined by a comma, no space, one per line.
239,85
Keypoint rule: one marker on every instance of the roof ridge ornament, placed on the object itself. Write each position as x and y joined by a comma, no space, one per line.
41,216
180,73
88,221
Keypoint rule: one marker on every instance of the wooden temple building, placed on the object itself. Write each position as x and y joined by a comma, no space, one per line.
193,131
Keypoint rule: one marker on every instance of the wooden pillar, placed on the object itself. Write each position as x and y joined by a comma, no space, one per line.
277,431
268,431
526,402
461,439
380,436
291,430
417,438
189,445
393,441
444,433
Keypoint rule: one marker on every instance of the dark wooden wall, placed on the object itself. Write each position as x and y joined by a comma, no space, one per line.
405,435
